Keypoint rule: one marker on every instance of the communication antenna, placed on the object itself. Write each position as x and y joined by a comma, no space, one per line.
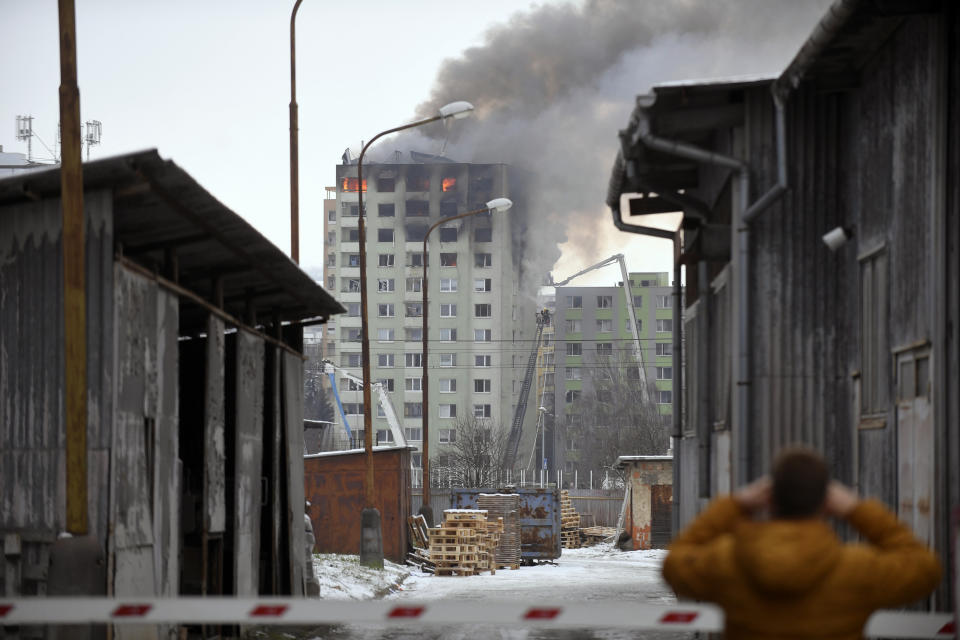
94,131
25,132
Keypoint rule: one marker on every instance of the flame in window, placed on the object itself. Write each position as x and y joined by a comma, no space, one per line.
350,184
448,184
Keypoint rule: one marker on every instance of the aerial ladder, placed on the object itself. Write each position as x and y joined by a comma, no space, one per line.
631,312
516,429
396,429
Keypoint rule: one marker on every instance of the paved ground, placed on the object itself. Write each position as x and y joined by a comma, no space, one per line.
584,575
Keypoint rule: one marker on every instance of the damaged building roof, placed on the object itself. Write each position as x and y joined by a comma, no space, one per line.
163,217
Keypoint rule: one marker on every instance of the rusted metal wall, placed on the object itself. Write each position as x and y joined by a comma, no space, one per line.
333,483
539,514
32,463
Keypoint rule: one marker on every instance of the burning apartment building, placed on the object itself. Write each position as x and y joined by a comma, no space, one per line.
481,324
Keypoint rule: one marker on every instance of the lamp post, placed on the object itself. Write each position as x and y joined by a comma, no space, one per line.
294,143
495,205
371,536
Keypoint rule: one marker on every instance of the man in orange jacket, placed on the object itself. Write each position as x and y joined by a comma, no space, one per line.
790,576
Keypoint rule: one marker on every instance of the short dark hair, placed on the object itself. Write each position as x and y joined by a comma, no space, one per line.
800,479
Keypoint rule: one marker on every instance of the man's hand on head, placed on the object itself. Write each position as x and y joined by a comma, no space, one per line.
841,500
754,496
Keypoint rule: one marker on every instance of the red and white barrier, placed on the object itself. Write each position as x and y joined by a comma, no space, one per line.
280,611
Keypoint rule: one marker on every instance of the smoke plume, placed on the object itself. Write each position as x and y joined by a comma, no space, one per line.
554,84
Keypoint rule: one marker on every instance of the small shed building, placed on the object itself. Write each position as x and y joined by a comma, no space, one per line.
648,498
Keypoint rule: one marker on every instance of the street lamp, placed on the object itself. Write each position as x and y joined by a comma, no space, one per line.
294,143
494,206
371,535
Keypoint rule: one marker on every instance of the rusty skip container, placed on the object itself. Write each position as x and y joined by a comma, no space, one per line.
539,519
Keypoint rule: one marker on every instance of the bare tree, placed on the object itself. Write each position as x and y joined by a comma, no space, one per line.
610,417
474,456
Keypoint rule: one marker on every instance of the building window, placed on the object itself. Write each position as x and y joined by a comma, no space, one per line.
448,285
413,434
331,237
573,326
604,302
482,361
604,325
331,282
638,301
664,373
414,285
411,334
448,410
346,384
415,233
418,209
482,335
664,349
385,335
384,260
384,235
385,310
412,360
351,235
413,309
448,385
448,310
481,385
639,326
571,396
353,408
483,234
350,210
351,334
332,215
383,435
386,210
604,348
350,360
664,302
417,179
664,397
483,310
448,335
386,185
352,185
604,396
412,409
448,359
353,259
874,349
415,259
483,260
387,383
664,325
385,360
574,349
573,373
482,411
448,259
448,234
482,284
412,384
353,309
331,259
385,284
574,302
447,436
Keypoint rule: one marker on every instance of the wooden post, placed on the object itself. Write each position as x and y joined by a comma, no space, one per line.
74,288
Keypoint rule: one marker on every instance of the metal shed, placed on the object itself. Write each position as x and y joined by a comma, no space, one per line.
852,351
195,392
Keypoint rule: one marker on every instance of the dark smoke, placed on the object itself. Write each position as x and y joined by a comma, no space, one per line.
554,85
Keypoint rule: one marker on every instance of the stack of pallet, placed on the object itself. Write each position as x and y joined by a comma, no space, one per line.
505,506
464,543
420,541
596,535
569,522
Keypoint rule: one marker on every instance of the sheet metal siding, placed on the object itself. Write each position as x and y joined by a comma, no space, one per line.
31,363
799,322
293,435
214,447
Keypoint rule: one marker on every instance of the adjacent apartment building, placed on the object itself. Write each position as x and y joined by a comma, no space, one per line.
595,356
479,321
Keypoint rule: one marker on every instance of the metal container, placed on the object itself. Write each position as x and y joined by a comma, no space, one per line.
539,519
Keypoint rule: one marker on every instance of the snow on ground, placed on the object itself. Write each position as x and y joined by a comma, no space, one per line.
599,572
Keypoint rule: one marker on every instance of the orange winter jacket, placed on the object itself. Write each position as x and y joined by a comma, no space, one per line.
795,578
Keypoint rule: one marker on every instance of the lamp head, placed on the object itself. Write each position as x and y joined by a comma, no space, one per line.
456,110
498,205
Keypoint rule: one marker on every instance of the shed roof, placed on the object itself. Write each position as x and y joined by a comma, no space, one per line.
161,211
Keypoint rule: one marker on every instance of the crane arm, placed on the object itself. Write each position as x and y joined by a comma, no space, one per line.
389,412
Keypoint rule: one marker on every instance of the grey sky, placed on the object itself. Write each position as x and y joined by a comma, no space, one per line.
207,83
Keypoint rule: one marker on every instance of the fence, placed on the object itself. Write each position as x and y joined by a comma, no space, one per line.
597,507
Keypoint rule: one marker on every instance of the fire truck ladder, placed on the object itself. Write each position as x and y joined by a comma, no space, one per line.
516,430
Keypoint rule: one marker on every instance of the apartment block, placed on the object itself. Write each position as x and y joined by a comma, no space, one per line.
478,321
